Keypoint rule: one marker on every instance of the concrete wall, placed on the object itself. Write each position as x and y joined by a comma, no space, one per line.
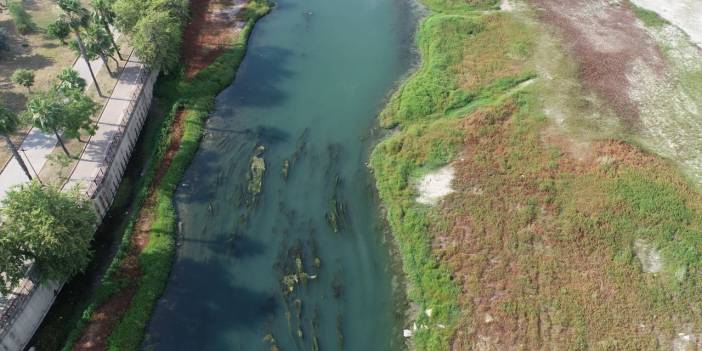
107,188
28,307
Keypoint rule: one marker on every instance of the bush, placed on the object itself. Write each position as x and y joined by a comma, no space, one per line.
23,21
23,77
59,30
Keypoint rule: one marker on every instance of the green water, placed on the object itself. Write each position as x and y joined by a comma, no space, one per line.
315,76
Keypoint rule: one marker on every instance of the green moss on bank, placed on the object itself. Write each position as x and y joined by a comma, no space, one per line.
174,92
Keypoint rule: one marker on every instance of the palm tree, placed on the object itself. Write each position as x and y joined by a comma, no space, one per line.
103,10
77,16
46,112
8,124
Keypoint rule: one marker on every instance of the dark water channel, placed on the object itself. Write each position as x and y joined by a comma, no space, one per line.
303,264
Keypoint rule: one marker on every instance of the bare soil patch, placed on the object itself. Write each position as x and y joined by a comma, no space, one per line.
213,27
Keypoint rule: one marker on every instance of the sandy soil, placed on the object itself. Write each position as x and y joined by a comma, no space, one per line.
435,185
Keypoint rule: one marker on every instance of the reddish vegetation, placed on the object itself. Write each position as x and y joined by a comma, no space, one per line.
213,28
606,42
524,279
204,32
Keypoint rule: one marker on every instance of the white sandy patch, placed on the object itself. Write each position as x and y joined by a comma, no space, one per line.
435,185
506,5
686,14
684,342
649,257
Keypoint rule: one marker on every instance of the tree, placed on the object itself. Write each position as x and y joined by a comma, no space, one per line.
60,30
50,228
98,43
156,40
128,13
23,21
62,111
106,17
23,77
9,122
68,80
77,16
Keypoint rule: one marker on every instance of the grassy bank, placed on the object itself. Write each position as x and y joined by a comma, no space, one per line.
173,92
465,64
548,242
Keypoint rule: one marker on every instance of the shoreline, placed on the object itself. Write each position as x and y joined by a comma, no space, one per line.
197,95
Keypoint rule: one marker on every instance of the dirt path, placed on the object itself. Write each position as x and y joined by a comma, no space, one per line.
606,43
204,39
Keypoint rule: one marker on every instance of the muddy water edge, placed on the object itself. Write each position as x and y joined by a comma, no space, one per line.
281,245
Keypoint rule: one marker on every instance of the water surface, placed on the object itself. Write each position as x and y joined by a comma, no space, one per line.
257,270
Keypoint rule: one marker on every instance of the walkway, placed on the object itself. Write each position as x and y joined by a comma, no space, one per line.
96,156
37,145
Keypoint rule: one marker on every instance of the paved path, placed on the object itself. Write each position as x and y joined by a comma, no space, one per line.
113,116
38,145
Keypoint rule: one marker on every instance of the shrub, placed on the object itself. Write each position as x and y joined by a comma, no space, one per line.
23,77
59,30
23,21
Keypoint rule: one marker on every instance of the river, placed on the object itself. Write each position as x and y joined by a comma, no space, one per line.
303,264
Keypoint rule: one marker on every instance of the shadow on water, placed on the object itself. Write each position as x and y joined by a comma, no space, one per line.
270,67
236,246
236,146
186,306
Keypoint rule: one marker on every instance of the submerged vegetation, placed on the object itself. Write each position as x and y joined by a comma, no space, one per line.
541,244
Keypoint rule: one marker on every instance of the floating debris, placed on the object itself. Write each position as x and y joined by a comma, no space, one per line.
256,172
286,169
340,330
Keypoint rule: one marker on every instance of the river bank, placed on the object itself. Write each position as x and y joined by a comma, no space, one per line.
119,309
556,231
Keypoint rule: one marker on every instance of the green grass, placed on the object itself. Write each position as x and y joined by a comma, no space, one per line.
648,17
197,96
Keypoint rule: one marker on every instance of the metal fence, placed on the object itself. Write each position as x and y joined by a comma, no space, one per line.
116,139
12,304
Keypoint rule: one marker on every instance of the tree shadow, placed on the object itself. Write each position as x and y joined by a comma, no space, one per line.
223,161
258,79
201,306
231,245
32,5
13,100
